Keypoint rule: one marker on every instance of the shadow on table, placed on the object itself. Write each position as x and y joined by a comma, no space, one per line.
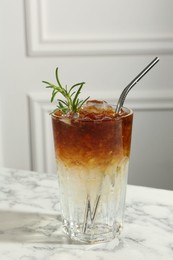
28,227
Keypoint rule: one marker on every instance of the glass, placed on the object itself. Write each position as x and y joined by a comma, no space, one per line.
92,156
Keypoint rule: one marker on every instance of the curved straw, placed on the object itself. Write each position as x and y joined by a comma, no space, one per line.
132,83
89,215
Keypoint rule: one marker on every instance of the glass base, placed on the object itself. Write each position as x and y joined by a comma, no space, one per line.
95,233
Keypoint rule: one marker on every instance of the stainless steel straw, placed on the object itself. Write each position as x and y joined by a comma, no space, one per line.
88,212
132,83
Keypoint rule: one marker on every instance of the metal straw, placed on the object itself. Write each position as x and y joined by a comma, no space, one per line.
132,83
88,211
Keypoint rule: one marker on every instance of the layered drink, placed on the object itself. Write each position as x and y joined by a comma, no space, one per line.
92,148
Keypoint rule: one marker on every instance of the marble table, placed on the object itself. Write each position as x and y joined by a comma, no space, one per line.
30,226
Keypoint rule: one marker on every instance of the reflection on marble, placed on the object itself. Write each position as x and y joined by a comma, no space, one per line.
30,224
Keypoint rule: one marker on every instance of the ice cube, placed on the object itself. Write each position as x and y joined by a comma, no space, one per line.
97,103
97,106
65,120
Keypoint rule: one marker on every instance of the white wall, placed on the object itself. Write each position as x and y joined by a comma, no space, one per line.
1,148
105,43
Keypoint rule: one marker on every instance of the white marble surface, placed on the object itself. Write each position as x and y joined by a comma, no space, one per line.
30,226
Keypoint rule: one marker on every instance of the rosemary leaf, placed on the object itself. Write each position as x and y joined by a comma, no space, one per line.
72,103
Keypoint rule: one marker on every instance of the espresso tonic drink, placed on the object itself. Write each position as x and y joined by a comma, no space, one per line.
92,150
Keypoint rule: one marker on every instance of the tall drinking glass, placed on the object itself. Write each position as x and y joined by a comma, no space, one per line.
92,151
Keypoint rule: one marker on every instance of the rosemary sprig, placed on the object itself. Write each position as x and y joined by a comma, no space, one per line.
71,102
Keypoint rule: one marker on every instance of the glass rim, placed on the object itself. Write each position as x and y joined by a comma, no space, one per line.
128,111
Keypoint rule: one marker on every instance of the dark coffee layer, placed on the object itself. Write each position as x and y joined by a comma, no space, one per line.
95,136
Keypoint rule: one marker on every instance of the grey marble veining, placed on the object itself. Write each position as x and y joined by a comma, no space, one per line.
30,224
